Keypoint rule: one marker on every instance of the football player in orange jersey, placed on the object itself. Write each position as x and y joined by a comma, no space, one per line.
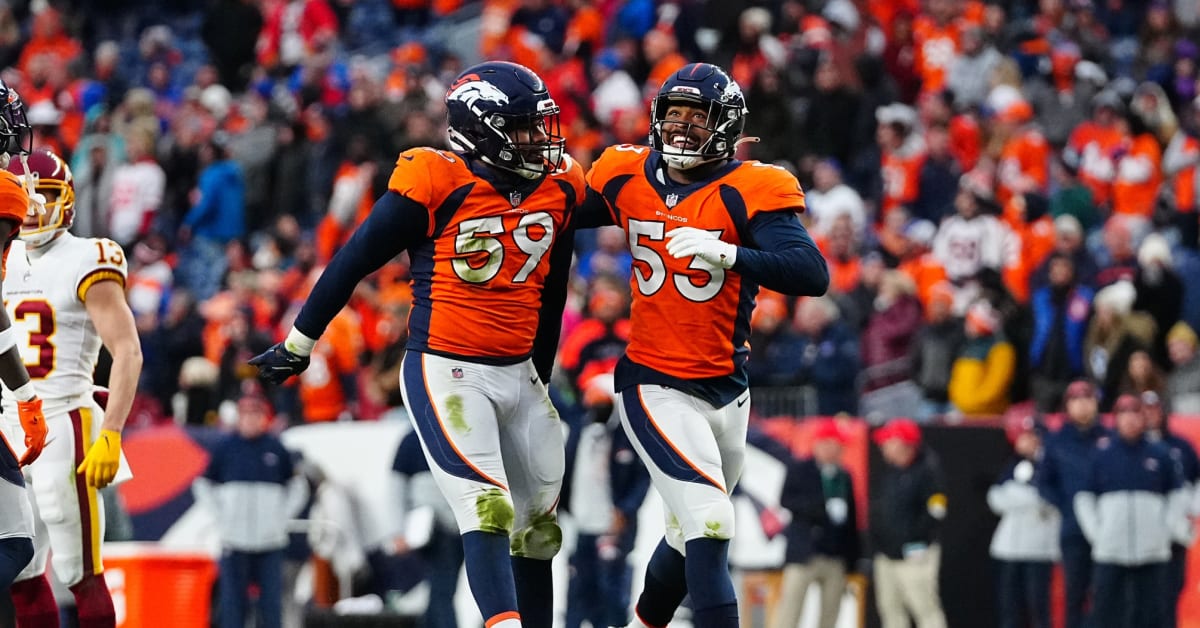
484,227
16,514
705,231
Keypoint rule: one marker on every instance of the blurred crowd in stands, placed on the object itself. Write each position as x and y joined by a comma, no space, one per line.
1006,191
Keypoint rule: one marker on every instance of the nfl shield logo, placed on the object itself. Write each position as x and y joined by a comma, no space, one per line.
456,373
515,198
672,200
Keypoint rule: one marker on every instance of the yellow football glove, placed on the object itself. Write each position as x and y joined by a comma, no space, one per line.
34,425
103,459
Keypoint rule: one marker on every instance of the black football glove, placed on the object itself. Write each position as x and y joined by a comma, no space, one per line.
277,364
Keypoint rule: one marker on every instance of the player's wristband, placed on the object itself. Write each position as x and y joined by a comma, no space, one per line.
298,343
24,392
8,339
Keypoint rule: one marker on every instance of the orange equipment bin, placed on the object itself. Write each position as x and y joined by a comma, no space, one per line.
153,586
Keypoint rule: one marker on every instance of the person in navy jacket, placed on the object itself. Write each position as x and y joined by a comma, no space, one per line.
1184,455
252,488
1131,509
822,536
1066,469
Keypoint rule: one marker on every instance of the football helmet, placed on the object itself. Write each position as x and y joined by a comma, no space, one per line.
706,87
51,177
502,113
16,136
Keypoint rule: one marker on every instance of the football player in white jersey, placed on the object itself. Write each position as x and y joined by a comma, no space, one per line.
66,297
16,516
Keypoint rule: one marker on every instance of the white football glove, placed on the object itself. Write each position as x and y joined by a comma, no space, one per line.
692,242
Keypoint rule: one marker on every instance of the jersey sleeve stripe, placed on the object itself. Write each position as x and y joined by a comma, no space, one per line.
95,277
736,205
610,191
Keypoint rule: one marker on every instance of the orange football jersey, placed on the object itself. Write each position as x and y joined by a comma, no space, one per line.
478,275
689,320
1024,166
14,204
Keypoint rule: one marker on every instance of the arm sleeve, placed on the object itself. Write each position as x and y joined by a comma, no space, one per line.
395,224
593,212
554,299
787,259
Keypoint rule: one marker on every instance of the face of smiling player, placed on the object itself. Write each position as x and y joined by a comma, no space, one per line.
676,131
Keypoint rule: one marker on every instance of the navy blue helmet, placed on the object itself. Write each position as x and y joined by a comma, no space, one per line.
502,113
16,136
707,87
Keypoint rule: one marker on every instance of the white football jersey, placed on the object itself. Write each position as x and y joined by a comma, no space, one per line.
44,290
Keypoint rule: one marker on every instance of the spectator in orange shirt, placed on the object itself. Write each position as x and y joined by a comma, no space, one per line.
1138,161
329,387
937,33
49,40
919,262
840,247
661,50
902,150
1025,156
756,47
1181,166
350,201
1091,146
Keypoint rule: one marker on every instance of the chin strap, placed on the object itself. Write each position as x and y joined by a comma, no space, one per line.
746,140
27,182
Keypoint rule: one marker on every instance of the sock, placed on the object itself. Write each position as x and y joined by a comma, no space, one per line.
34,601
535,591
94,603
490,574
709,583
665,587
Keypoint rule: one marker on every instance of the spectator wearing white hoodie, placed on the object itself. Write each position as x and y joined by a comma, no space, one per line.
1025,543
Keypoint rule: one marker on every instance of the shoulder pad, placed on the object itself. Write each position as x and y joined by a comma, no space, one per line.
617,160
767,187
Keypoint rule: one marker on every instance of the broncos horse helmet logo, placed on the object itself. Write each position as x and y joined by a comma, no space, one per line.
470,92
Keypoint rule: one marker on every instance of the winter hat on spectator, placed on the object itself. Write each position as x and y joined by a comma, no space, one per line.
1090,72
44,113
842,13
1080,388
828,429
1155,250
921,232
1067,224
897,113
1118,297
1022,423
1127,403
217,100
1182,332
1108,98
902,429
